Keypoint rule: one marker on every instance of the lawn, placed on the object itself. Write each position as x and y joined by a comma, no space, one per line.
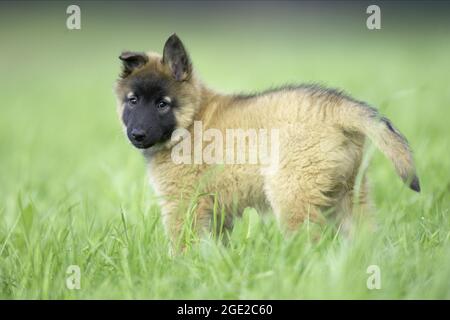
74,192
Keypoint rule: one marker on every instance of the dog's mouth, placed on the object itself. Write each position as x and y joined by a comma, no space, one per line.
141,145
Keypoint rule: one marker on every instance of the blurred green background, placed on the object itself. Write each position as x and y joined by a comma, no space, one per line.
74,192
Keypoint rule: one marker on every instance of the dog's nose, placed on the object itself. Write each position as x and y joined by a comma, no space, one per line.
138,134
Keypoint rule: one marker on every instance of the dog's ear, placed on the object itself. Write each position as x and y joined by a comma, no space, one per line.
177,59
131,61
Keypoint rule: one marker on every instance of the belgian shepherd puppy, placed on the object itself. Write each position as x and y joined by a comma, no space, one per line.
321,135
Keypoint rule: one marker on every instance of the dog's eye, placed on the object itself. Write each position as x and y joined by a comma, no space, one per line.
132,100
162,105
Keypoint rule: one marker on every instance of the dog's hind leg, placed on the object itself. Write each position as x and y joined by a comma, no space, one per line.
354,206
291,204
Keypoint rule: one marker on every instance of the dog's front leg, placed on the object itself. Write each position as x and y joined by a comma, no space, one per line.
186,222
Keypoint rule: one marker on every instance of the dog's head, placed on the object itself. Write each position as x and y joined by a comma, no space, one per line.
157,94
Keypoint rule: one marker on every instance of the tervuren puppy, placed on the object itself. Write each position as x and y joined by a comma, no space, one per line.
321,137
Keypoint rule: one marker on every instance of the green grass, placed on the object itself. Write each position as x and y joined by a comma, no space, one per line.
74,192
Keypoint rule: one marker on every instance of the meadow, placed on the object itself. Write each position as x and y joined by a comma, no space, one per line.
74,192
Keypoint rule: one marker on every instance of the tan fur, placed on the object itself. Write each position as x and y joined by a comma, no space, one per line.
322,134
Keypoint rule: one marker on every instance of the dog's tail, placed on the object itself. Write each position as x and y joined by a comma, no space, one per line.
359,117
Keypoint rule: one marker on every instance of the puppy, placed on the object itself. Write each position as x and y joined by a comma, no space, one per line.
316,137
